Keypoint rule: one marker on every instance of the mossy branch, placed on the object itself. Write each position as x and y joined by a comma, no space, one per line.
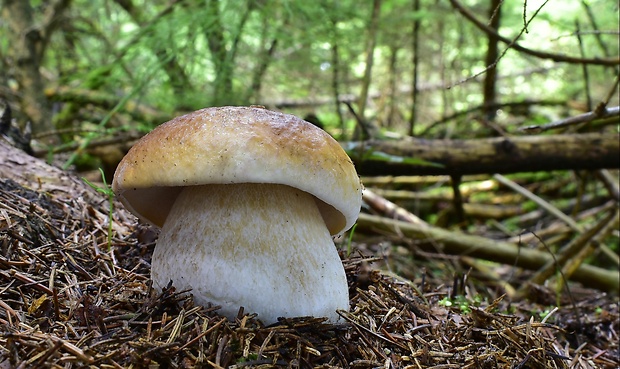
457,243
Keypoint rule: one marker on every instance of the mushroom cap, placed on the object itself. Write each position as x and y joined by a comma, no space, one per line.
227,145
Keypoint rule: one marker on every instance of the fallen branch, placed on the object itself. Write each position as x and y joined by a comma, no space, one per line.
584,244
458,243
578,119
588,151
388,208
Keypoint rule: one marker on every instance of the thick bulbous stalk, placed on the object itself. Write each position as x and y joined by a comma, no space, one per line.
261,246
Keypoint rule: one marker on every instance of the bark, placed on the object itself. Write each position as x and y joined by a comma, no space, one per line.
37,175
588,151
491,61
29,40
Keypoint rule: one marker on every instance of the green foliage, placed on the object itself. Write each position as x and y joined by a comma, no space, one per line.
188,55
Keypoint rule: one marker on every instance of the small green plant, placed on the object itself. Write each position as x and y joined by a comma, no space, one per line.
250,358
461,302
544,313
106,190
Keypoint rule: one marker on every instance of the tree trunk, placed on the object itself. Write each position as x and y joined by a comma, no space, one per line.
598,35
219,56
414,84
393,87
336,66
269,42
259,71
492,155
224,52
370,51
27,42
491,60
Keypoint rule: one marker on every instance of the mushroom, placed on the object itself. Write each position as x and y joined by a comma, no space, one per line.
247,200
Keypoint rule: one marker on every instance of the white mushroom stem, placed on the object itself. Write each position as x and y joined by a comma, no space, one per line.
261,246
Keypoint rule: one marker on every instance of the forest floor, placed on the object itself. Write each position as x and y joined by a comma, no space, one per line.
74,293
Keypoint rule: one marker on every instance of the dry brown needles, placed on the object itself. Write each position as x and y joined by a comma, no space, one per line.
67,300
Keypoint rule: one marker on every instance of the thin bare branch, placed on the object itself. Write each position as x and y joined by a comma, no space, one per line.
536,53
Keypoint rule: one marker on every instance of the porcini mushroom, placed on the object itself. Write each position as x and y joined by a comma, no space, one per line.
247,200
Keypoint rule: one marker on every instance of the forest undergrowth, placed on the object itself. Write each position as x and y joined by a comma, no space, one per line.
71,296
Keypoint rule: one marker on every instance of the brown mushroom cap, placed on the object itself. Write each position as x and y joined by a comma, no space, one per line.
227,145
